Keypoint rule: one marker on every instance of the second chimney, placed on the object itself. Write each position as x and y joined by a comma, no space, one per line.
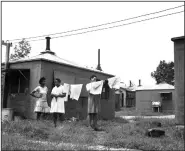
130,83
48,43
99,67
139,83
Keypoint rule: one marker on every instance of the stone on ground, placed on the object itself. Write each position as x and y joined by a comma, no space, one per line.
155,132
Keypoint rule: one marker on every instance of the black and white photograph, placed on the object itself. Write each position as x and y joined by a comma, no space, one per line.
92,75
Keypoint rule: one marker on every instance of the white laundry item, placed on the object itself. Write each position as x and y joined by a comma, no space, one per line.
114,82
67,91
57,104
75,91
95,87
156,103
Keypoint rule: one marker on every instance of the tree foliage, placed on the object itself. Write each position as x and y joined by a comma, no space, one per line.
164,73
21,50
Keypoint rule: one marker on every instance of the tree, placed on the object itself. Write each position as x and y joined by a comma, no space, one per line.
21,50
164,73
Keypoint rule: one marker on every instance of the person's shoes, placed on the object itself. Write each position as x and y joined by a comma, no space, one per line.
97,129
92,127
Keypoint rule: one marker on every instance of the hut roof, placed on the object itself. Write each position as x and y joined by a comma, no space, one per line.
53,58
162,86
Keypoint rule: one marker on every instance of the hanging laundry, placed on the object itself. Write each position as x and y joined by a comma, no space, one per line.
75,91
95,87
105,90
114,83
67,91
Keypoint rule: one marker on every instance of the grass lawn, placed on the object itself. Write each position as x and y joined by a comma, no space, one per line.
118,133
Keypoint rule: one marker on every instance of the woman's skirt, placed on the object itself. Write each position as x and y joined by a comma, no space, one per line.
57,105
42,106
93,103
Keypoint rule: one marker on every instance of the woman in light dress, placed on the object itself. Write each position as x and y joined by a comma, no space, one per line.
57,103
40,92
93,106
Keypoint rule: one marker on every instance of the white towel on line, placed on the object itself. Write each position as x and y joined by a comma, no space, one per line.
75,91
67,91
95,87
114,82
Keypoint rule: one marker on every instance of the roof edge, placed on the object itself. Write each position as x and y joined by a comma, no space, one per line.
154,89
177,38
42,59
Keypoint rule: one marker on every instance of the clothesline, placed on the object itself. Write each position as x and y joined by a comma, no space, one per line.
74,90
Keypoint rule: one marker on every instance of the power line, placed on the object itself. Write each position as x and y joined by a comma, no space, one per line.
119,25
109,27
100,24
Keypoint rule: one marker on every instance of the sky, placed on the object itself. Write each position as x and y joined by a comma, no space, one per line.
131,52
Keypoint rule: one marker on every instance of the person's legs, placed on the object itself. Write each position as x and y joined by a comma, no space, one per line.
61,117
95,120
55,119
38,115
91,119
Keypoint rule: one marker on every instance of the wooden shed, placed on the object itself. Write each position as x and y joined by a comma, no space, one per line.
163,93
125,97
24,75
179,78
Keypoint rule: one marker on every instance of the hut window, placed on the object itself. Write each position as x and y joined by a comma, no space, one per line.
166,96
19,81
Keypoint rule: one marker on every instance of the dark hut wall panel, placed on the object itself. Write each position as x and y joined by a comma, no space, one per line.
29,102
179,80
108,106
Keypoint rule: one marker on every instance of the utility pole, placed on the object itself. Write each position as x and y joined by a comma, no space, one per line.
5,86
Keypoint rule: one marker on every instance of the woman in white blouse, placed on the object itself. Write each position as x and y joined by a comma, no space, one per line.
58,98
40,92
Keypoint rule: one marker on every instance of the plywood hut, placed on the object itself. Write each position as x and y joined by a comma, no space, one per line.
163,93
24,75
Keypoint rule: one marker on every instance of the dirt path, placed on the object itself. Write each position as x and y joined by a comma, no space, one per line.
98,147
146,117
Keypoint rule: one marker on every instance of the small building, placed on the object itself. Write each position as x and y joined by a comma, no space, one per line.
119,96
163,93
179,78
24,75
123,90
125,97
130,98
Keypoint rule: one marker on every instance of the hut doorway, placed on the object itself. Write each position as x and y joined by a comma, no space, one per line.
166,101
18,90
122,99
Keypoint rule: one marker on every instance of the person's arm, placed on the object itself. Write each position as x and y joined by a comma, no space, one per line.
53,94
96,86
88,87
33,92
62,95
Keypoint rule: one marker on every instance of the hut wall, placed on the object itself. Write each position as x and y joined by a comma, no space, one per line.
24,103
144,100
73,75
